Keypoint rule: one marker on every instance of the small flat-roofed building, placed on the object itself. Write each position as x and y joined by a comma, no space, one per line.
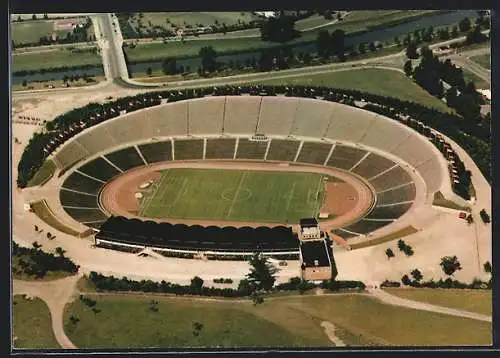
309,229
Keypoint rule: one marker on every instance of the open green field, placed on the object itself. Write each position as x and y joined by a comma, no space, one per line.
31,324
31,31
479,301
125,321
239,195
54,58
373,80
483,60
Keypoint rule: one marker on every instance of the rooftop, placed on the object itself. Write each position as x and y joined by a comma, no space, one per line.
315,253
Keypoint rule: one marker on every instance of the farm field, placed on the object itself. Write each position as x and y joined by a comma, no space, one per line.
280,321
483,60
31,324
31,31
55,58
233,195
479,301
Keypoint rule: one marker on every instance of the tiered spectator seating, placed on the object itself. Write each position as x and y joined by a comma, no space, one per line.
205,115
220,148
96,140
130,128
372,165
312,117
79,182
283,150
366,226
314,153
348,123
389,212
241,114
95,224
125,158
157,151
386,134
188,149
69,154
169,120
399,195
86,215
394,177
414,150
345,157
70,198
277,115
100,169
431,172
251,150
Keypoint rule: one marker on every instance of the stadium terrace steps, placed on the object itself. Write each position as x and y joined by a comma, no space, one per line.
430,171
206,115
130,128
70,153
283,150
220,148
314,153
188,149
277,115
372,165
397,195
389,212
345,157
70,198
386,134
100,169
348,124
170,119
157,151
318,115
248,149
126,158
390,179
241,114
413,151
96,140
81,183
86,215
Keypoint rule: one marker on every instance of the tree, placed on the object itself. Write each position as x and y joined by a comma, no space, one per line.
197,328
408,68
372,47
323,44
45,16
149,71
169,66
362,48
262,272
33,17
36,245
401,245
411,50
245,287
196,285
25,83
49,235
405,280
36,228
443,34
19,18
464,25
470,219
338,44
450,264
60,251
408,250
257,299
484,216
397,41
454,31
487,267
208,56
417,275
389,253
280,29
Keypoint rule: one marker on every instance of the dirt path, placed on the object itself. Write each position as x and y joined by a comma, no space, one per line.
329,328
387,298
55,294
111,196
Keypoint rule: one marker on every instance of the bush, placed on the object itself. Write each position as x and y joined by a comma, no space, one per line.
388,283
484,216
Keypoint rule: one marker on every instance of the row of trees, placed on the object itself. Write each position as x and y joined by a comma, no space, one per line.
279,29
55,69
33,261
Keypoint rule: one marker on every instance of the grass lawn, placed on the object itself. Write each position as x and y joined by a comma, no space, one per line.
392,325
378,81
31,324
478,81
31,31
53,59
386,238
43,211
43,174
479,301
483,60
439,200
246,195
126,321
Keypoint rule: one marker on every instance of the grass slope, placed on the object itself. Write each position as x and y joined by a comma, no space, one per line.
32,324
127,322
54,58
479,301
483,60
478,81
43,211
43,174
233,195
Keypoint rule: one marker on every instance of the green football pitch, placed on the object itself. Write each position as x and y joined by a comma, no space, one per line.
233,195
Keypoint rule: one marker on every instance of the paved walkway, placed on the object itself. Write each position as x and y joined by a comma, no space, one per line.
329,328
387,298
55,294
